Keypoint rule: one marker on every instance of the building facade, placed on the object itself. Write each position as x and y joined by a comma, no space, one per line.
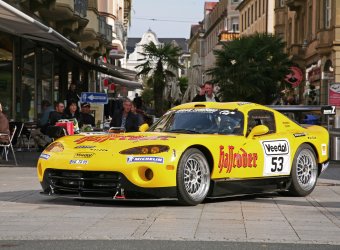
220,24
311,31
135,58
46,45
256,16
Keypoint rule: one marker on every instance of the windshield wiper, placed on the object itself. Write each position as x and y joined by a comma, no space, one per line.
183,130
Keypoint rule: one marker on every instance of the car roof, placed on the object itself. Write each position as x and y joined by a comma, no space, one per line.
241,106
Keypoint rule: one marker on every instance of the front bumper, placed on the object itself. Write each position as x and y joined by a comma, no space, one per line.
98,185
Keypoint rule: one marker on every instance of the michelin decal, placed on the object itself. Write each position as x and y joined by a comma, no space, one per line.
276,157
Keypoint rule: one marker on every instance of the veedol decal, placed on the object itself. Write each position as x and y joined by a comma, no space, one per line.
44,156
276,147
133,159
231,160
276,157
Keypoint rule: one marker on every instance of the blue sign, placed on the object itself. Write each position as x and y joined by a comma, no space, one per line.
93,97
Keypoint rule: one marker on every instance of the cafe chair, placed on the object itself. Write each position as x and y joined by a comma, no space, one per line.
17,136
8,146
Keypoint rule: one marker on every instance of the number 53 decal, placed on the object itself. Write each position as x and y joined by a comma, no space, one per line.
276,157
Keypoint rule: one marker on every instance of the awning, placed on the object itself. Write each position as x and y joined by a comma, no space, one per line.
126,83
117,75
128,74
18,23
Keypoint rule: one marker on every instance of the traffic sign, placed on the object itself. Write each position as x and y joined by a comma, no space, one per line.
94,97
328,110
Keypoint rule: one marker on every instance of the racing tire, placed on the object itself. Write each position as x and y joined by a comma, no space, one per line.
304,171
193,177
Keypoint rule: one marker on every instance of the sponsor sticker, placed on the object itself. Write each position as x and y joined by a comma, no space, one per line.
85,146
83,155
323,149
153,159
79,162
276,157
231,158
44,156
299,134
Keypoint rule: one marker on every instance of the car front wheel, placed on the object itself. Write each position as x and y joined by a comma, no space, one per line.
193,177
304,171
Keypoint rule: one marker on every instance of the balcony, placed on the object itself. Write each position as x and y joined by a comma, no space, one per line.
296,5
119,30
105,29
68,16
32,5
325,40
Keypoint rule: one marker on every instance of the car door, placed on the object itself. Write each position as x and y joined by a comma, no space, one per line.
273,150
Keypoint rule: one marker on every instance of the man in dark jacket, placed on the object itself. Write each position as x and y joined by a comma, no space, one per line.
85,114
125,118
57,114
208,95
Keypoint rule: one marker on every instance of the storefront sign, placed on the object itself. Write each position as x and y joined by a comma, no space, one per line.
294,77
327,75
334,94
314,74
328,110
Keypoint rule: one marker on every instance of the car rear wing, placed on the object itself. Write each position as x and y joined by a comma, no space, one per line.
307,114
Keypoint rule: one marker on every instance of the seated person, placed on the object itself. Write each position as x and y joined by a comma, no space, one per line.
85,115
4,127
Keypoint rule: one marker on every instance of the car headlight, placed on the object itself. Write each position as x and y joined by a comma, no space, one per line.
143,150
55,147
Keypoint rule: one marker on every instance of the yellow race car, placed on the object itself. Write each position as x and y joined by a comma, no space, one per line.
194,151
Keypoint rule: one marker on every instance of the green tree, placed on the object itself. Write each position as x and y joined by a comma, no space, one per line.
251,68
159,61
183,84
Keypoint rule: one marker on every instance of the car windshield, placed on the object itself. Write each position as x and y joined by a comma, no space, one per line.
201,121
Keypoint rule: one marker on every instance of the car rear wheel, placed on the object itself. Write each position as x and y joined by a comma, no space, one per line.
193,177
304,171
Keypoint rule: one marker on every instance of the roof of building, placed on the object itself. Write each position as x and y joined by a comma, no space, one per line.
210,5
132,41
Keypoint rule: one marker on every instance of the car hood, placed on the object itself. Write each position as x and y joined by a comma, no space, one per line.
127,140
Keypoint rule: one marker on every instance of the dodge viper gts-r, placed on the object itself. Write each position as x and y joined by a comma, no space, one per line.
194,151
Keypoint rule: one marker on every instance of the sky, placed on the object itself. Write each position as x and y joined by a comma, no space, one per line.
172,18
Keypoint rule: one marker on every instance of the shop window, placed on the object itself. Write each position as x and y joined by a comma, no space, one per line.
25,102
327,13
6,65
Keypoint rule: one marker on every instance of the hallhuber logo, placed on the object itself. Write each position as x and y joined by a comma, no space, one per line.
132,159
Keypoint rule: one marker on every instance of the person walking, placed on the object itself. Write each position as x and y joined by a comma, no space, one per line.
208,95
125,118
72,94
138,101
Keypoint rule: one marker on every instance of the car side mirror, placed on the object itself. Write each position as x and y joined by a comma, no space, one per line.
258,130
144,127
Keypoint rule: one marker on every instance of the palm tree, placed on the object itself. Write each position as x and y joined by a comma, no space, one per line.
251,68
159,61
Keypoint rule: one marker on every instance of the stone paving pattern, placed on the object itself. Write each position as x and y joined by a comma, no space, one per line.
26,214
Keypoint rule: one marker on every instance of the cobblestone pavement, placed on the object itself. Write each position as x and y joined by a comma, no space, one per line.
25,214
